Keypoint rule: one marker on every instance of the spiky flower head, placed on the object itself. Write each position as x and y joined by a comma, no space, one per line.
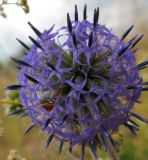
82,88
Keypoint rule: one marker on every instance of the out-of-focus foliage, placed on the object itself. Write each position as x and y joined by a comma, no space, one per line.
11,102
13,155
21,3
1,130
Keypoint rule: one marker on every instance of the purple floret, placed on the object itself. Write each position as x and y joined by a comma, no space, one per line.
83,88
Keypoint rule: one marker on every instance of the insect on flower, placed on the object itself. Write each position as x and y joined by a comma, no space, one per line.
80,90
47,106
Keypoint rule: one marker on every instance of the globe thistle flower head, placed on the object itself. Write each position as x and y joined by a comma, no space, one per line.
83,88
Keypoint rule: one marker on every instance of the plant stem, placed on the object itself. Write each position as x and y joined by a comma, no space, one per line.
10,102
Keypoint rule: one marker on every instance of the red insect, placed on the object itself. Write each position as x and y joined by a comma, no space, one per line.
47,106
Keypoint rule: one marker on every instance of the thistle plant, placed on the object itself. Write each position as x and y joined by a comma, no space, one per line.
79,90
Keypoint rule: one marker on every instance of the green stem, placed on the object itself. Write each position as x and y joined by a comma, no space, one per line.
10,102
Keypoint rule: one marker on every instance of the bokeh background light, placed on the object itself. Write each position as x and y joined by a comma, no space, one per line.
117,15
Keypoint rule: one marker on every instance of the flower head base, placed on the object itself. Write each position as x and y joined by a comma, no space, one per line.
84,88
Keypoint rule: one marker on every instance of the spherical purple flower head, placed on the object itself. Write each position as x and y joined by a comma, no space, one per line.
82,89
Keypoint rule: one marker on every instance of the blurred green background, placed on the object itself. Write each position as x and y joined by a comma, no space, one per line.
117,14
